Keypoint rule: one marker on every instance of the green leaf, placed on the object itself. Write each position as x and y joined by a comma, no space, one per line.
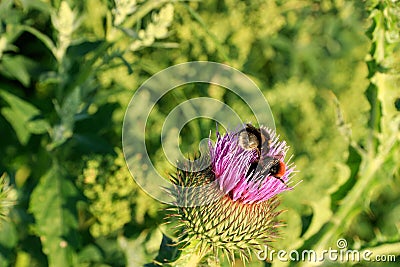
5,5
8,239
374,122
142,249
70,107
16,119
17,103
53,206
169,252
86,67
38,126
353,161
9,15
20,114
83,48
36,4
16,67
92,142
90,254
387,95
43,38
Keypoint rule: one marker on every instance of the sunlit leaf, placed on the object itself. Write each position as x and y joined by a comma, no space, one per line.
90,254
21,115
15,67
52,204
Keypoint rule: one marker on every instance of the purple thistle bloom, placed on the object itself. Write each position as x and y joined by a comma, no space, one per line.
236,195
248,175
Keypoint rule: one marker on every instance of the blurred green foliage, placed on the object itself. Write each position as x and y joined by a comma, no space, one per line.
329,69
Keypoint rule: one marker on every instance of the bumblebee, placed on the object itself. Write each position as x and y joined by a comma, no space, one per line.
275,167
252,138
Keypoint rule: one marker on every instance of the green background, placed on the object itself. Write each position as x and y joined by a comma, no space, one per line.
329,69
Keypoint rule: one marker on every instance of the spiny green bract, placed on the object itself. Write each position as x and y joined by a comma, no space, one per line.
223,225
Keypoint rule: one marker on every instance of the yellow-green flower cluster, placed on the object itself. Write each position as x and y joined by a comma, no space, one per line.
156,29
110,189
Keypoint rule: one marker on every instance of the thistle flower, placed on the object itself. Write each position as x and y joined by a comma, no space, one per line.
248,165
8,197
235,197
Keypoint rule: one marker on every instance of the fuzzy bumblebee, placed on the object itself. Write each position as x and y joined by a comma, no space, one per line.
231,205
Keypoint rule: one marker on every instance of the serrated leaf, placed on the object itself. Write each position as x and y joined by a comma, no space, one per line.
52,204
353,161
387,95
